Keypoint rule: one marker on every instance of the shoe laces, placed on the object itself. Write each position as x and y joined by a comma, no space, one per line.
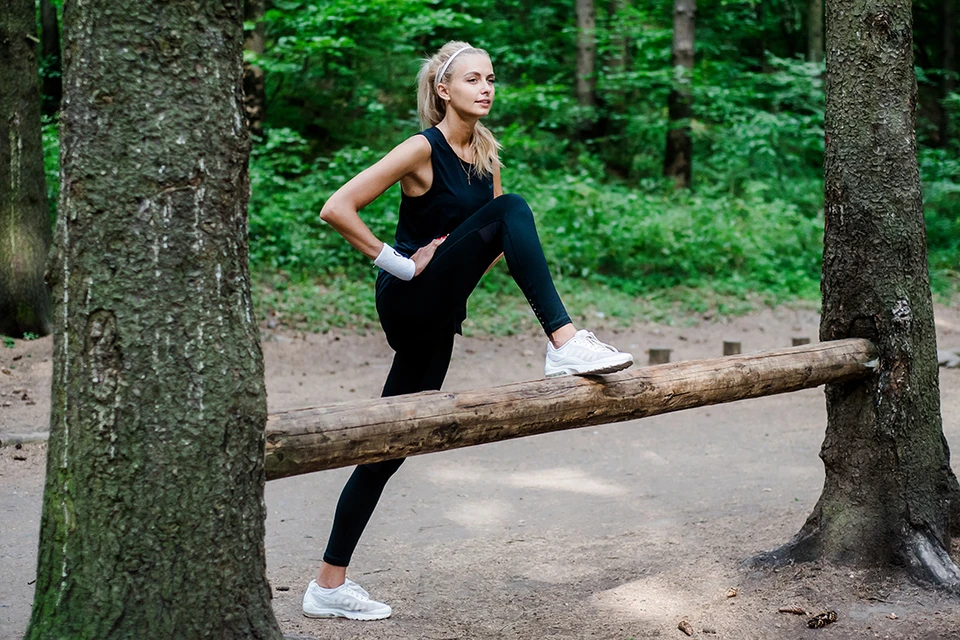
590,340
353,589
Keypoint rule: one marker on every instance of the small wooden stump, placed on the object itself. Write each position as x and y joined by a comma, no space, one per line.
800,341
659,356
731,348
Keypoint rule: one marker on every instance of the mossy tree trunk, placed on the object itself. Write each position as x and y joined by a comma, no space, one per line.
153,512
678,159
24,214
889,490
815,30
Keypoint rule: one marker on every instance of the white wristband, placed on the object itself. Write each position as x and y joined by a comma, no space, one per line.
394,263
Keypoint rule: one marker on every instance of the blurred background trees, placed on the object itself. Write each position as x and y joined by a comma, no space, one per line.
583,110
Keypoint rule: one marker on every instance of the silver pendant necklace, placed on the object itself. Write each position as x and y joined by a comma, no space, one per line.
463,166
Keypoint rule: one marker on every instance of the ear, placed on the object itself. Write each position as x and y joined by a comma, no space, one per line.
442,92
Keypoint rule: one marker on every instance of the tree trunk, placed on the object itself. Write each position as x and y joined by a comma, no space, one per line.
24,213
889,489
815,31
254,82
678,159
50,37
619,51
586,53
153,513
949,65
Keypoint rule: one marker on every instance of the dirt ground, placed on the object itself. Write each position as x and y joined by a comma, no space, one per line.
613,532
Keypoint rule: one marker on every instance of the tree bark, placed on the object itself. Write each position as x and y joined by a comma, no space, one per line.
678,159
50,38
25,231
889,490
254,81
815,31
327,437
949,65
619,51
153,513
586,53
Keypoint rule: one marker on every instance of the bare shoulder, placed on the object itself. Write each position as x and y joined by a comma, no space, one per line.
417,147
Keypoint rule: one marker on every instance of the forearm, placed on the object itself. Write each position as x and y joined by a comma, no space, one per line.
349,225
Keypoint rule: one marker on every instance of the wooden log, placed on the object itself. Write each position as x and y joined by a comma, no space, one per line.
731,348
659,356
314,439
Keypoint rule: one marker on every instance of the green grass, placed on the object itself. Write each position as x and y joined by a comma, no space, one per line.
498,307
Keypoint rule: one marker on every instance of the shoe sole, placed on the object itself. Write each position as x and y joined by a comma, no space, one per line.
350,615
593,369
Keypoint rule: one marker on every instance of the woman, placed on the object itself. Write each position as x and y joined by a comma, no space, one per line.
454,225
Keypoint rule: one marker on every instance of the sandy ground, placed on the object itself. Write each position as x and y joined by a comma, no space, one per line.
612,532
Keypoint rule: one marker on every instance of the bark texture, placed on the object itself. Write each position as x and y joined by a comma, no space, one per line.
24,213
327,437
586,53
678,160
815,30
254,81
153,513
50,37
889,489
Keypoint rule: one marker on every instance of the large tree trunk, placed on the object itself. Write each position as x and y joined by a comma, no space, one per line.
949,64
24,212
586,53
815,30
678,160
50,38
254,82
153,513
889,489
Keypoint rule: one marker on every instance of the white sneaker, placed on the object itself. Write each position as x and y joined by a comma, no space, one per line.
582,355
349,600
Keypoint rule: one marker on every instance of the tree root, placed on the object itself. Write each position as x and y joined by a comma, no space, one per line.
928,561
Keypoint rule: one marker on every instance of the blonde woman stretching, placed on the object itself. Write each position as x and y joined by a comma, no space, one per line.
454,224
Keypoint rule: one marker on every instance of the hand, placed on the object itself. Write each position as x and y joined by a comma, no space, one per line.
424,254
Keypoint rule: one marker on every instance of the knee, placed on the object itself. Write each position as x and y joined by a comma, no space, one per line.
514,206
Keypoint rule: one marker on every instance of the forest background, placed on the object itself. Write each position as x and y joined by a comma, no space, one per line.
331,88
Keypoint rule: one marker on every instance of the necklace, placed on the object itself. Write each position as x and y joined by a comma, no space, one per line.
462,166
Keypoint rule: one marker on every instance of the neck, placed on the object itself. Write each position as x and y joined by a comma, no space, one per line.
458,131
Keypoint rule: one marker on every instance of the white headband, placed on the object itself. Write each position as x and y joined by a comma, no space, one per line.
446,64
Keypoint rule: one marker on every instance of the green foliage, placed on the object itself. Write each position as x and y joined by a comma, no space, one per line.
8,342
50,130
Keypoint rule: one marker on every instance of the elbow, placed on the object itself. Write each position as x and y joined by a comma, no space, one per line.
327,213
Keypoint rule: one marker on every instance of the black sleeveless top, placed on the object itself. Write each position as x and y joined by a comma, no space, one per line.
449,201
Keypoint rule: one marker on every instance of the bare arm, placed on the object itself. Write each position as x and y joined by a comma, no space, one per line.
340,211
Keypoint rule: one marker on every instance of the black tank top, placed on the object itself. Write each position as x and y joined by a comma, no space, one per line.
450,200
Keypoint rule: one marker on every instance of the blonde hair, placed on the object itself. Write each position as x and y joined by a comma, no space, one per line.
432,108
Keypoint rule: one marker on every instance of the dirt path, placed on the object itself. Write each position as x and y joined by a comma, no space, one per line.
616,532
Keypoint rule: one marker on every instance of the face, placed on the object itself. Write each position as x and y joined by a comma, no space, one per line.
470,87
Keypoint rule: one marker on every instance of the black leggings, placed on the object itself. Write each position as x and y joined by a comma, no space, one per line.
420,317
